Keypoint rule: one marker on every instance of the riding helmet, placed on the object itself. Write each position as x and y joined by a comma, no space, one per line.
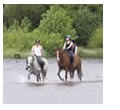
68,36
37,41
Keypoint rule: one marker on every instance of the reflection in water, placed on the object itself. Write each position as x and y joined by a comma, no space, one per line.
33,84
68,83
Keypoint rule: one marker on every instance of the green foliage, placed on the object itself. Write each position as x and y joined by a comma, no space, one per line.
96,40
49,41
22,41
18,11
90,53
85,20
4,28
14,26
17,40
24,23
56,20
85,23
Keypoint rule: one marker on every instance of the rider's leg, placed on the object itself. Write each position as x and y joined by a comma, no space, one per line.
71,60
41,63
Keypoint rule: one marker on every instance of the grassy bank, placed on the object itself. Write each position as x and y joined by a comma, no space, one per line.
11,53
83,52
90,53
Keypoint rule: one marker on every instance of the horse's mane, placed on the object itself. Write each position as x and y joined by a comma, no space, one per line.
61,54
61,51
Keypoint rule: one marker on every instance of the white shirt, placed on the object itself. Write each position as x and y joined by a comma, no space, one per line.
37,50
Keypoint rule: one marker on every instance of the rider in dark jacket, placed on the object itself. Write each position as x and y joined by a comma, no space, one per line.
68,47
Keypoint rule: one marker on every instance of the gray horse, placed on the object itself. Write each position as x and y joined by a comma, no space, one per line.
34,68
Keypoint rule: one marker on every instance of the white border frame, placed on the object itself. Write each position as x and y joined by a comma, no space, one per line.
53,1
111,68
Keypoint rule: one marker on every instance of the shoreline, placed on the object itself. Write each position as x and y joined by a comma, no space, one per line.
82,52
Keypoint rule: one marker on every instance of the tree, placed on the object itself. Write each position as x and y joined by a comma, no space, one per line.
96,41
56,20
18,11
85,22
26,25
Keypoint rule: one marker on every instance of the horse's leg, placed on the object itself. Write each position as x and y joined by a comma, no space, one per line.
66,73
43,75
38,77
72,74
45,72
79,72
28,76
59,75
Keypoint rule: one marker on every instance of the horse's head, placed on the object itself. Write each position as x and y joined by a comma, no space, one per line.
29,62
59,54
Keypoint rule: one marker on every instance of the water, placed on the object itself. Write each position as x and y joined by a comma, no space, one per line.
18,90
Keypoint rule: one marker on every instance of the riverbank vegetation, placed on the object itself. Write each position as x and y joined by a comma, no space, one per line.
51,23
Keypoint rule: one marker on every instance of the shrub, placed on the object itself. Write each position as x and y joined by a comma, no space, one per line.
50,42
96,40
22,41
56,20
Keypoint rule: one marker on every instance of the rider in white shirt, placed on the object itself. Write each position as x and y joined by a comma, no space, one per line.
37,50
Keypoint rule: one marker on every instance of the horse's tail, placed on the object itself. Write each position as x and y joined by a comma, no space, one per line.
80,74
79,67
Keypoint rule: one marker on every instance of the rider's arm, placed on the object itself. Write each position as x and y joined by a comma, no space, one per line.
64,46
41,50
70,45
75,50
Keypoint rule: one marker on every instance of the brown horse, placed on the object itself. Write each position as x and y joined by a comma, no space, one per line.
63,61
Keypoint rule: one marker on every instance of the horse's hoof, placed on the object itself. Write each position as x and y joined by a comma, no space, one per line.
28,78
62,79
82,79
